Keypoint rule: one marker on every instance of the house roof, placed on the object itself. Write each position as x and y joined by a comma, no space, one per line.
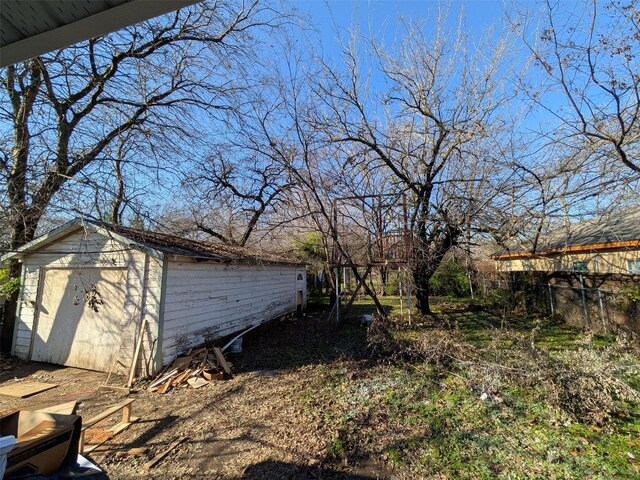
615,230
154,243
29,28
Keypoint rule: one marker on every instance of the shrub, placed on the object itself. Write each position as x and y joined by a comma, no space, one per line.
8,286
439,347
450,280
392,287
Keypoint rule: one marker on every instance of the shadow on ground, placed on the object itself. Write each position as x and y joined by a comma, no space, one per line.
12,367
290,344
272,469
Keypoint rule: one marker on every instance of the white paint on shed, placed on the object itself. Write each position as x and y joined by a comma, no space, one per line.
187,297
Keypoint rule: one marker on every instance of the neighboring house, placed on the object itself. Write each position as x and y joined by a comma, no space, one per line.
88,288
606,245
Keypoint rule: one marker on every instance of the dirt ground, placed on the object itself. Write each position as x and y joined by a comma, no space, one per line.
252,426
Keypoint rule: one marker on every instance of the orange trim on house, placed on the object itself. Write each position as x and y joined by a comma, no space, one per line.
572,249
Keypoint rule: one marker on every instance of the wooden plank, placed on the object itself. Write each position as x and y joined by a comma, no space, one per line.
136,354
126,414
164,388
114,431
106,413
67,408
209,375
181,378
137,451
222,361
158,458
197,382
25,389
10,411
182,362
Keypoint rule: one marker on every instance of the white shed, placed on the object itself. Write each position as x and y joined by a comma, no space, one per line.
88,287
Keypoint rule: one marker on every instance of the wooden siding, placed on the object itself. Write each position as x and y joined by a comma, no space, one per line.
64,315
611,262
84,249
207,301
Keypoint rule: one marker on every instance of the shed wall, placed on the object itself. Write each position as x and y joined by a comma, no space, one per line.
207,301
87,249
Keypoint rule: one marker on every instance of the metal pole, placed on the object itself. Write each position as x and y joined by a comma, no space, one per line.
604,320
400,290
337,295
551,299
470,284
335,231
344,278
405,228
584,301
409,299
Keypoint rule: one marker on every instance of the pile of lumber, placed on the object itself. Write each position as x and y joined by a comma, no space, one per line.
196,369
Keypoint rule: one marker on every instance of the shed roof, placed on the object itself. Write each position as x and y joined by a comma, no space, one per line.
151,242
609,231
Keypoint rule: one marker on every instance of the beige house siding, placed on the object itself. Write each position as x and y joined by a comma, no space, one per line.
604,262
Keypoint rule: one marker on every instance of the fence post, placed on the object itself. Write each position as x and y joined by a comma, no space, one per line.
604,320
409,299
551,299
584,302
337,295
400,291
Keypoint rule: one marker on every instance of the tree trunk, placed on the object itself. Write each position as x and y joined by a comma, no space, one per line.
384,277
429,257
421,280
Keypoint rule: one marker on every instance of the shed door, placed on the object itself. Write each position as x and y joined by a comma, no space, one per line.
80,317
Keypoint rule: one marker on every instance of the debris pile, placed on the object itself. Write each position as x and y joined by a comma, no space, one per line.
196,369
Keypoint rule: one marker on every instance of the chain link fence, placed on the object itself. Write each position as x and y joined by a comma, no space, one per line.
601,310
597,309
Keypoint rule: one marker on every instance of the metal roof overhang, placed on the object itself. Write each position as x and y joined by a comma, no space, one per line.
29,28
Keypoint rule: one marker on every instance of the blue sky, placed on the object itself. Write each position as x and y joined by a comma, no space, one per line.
380,17
381,20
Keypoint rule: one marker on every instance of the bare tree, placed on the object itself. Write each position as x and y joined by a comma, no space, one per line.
247,188
590,55
433,133
280,131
